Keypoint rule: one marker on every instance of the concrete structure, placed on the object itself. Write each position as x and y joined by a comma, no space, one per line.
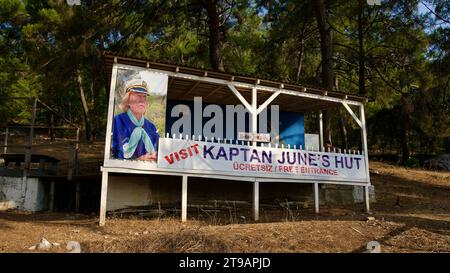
30,194
215,87
128,191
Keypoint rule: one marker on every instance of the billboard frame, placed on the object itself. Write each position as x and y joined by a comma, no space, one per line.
120,166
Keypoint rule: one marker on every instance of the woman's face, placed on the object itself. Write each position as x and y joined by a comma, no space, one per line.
138,103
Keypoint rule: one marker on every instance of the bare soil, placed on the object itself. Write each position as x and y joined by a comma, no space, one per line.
411,214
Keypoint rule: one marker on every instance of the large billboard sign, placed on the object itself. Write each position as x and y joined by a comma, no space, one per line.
143,122
260,161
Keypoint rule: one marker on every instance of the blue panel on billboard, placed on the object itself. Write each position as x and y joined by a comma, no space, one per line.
291,125
292,129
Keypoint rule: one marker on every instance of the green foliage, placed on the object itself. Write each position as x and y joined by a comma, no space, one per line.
412,162
47,46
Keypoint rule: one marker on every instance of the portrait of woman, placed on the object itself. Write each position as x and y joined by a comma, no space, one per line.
134,136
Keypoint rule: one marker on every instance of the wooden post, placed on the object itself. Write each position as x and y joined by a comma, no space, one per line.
184,186
26,166
77,196
256,201
103,196
112,85
254,130
52,196
52,129
367,198
316,197
366,155
5,149
76,151
30,139
321,131
254,114
71,162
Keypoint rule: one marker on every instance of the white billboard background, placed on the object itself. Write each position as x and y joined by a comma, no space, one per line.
180,154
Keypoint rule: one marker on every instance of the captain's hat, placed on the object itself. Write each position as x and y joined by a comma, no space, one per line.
136,85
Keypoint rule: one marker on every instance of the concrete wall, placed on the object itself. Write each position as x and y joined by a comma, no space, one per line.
344,194
144,190
358,194
141,190
30,195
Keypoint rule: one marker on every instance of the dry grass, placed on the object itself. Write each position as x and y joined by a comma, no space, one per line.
411,215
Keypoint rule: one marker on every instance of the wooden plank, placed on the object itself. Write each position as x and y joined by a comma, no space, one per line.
321,131
256,201
77,196
184,198
185,94
103,197
30,139
240,97
367,198
52,196
350,111
107,153
215,90
5,148
316,197
366,156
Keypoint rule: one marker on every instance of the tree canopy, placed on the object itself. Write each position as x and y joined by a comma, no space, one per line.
396,53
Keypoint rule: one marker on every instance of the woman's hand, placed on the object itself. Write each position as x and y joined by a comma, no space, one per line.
148,157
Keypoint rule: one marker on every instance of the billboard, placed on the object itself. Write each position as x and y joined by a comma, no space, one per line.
180,154
143,123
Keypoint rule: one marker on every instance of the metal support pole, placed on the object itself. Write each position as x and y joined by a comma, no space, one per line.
254,114
256,201
254,129
367,198
366,155
184,186
316,197
103,198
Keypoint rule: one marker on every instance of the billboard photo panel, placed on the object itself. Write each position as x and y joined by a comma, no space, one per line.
139,114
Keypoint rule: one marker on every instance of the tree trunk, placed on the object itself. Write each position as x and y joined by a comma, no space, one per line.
300,60
52,125
94,95
102,49
326,49
343,133
405,129
93,105
361,53
87,122
405,142
214,35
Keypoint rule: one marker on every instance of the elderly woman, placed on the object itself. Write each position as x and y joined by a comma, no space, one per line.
134,137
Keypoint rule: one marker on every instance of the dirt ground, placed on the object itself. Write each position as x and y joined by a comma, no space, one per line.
411,214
